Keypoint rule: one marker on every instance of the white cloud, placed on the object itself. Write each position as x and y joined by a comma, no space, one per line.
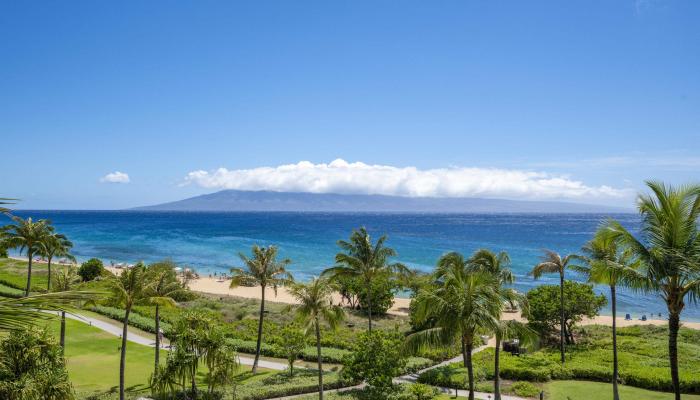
115,177
340,176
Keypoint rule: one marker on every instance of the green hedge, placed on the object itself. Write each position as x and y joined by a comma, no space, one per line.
281,384
135,320
328,354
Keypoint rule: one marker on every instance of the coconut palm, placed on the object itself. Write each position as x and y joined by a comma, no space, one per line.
495,264
127,289
462,302
607,264
66,278
668,252
162,285
3,202
551,263
262,269
316,307
19,313
362,259
506,330
28,235
55,245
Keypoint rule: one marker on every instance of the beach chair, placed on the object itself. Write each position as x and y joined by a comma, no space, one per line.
628,317
644,317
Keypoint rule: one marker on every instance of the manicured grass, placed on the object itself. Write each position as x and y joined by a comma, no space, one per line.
582,390
13,273
93,359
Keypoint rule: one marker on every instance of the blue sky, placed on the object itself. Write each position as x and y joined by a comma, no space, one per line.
579,101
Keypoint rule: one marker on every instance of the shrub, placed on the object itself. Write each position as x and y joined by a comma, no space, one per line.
376,359
419,391
91,269
525,389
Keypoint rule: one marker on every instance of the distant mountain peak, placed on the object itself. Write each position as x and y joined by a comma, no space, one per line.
239,200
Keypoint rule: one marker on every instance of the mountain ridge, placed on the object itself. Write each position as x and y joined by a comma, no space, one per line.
241,200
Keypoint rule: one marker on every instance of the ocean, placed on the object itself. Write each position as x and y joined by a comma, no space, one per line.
210,241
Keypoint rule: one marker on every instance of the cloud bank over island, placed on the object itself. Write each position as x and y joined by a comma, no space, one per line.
115,177
344,177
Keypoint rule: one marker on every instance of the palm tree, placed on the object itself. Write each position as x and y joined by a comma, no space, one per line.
263,269
463,302
55,245
508,330
668,252
26,311
607,264
127,289
65,279
496,265
27,235
5,201
552,262
162,285
315,307
362,259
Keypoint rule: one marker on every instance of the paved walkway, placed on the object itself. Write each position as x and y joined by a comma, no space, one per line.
116,330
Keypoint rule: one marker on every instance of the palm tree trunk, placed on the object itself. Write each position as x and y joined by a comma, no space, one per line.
561,315
29,274
157,336
613,301
497,370
470,369
63,329
122,358
48,280
673,326
260,329
320,361
369,305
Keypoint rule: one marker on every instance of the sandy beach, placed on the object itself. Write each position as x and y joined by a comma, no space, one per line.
400,307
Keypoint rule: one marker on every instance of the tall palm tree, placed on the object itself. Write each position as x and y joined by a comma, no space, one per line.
552,262
505,330
668,252
316,307
27,235
66,278
462,302
263,269
162,285
360,258
607,264
127,289
496,265
55,245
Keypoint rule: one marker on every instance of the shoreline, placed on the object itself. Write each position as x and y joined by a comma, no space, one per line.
216,286
399,308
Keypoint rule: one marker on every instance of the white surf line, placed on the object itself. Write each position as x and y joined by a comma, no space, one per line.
116,330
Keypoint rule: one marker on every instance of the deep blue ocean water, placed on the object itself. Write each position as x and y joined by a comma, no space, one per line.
211,241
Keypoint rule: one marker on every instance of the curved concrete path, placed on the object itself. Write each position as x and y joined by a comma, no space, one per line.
116,330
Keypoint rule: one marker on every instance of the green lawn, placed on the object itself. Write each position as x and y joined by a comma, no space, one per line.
13,273
581,390
93,359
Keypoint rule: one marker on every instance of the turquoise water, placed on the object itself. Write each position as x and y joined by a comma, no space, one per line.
211,241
